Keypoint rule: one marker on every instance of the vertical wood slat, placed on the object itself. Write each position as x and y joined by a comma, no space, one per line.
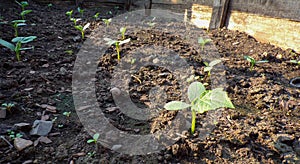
219,14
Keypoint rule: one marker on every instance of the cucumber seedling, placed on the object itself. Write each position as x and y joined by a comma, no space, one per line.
107,21
295,62
253,62
82,29
203,42
75,20
23,4
122,31
96,15
80,11
209,66
16,24
8,106
69,14
23,13
201,100
94,139
117,44
18,47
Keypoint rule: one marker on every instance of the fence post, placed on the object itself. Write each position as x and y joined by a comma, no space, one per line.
219,14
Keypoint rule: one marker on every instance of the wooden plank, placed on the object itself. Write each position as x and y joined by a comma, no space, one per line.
289,9
201,15
283,33
219,14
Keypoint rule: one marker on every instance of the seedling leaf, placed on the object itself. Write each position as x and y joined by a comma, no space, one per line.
195,90
176,105
7,45
124,41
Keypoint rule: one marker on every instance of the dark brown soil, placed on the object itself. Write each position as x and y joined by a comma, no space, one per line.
264,127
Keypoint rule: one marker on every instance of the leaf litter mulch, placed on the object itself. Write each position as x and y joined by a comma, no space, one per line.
264,126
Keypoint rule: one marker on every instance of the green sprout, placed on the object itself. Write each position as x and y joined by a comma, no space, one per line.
122,31
8,106
209,66
13,134
67,114
82,29
50,5
70,52
96,15
253,62
94,139
202,100
75,20
106,21
16,24
80,11
295,62
69,14
23,4
91,154
18,47
192,78
23,13
203,42
117,44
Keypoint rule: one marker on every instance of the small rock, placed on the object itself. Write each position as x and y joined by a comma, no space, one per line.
45,140
76,38
168,156
63,71
155,61
22,127
41,128
21,143
116,147
160,158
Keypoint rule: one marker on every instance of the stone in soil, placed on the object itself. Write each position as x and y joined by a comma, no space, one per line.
41,128
21,143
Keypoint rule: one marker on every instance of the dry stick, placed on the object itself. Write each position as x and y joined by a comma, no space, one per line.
10,145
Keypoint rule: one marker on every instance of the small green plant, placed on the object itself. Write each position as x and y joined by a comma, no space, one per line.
295,62
253,62
8,106
209,66
67,114
70,52
16,24
50,5
201,100
13,135
132,61
23,13
82,29
91,154
75,20
96,15
203,42
18,47
122,31
69,14
192,78
107,21
80,11
23,4
94,139
117,44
